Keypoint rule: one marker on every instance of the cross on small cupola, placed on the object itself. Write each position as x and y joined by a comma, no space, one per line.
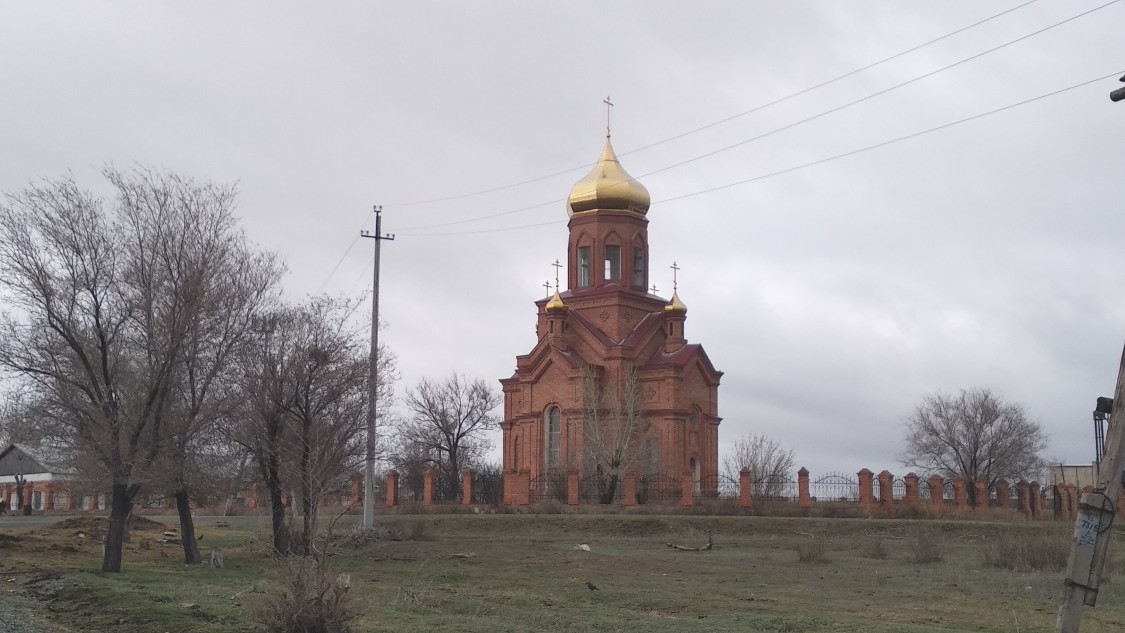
675,306
608,109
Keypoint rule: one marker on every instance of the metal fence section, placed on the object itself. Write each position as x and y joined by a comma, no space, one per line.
924,493
659,490
488,488
775,489
834,487
718,487
601,489
550,486
898,490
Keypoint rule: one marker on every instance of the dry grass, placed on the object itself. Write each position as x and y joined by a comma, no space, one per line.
874,545
813,549
515,573
927,544
1021,551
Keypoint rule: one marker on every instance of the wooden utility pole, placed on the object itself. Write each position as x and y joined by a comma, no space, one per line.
373,378
1095,517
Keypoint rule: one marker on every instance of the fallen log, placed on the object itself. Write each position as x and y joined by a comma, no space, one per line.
710,545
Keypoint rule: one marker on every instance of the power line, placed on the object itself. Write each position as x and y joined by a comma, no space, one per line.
785,127
812,163
725,120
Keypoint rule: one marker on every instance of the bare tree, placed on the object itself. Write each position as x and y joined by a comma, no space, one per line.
769,463
305,389
325,397
975,435
448,421
241,281
104,304
615,426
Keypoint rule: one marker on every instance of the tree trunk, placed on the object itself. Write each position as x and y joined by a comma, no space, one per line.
277,506
187,527
20,483
610,487
306,489
236,484
120,508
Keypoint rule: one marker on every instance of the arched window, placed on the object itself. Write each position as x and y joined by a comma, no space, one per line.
639,268
693,420
583,266
553,433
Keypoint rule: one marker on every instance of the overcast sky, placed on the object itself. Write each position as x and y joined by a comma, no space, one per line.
833,295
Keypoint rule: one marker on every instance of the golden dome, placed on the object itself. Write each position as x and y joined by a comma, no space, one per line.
675,305
607,186
556,303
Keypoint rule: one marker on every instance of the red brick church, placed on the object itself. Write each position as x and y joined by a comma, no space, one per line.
609,325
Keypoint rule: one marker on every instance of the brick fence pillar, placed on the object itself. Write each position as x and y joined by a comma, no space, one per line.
391,484
911,499
960,493
1003,495
48,497
630,489
1036,499
71,501
687,489
866,489
887,492
428,487
572,487
804,499
981,492
1025,498
468,480
745,488
937,494
1071,501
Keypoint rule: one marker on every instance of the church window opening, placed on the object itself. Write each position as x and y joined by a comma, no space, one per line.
583,266
693,420
639,268
612,263
553,435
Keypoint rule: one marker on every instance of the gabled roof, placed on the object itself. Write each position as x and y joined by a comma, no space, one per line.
681,357
21,460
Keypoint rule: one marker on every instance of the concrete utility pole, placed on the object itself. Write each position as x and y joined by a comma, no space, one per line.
1095,517
373,380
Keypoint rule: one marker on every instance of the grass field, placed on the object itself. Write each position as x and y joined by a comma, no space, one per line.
521,572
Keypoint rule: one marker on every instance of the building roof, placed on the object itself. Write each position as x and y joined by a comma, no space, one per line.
21,460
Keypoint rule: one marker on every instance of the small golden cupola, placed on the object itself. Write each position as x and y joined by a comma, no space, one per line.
675,306
555,305
608,187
